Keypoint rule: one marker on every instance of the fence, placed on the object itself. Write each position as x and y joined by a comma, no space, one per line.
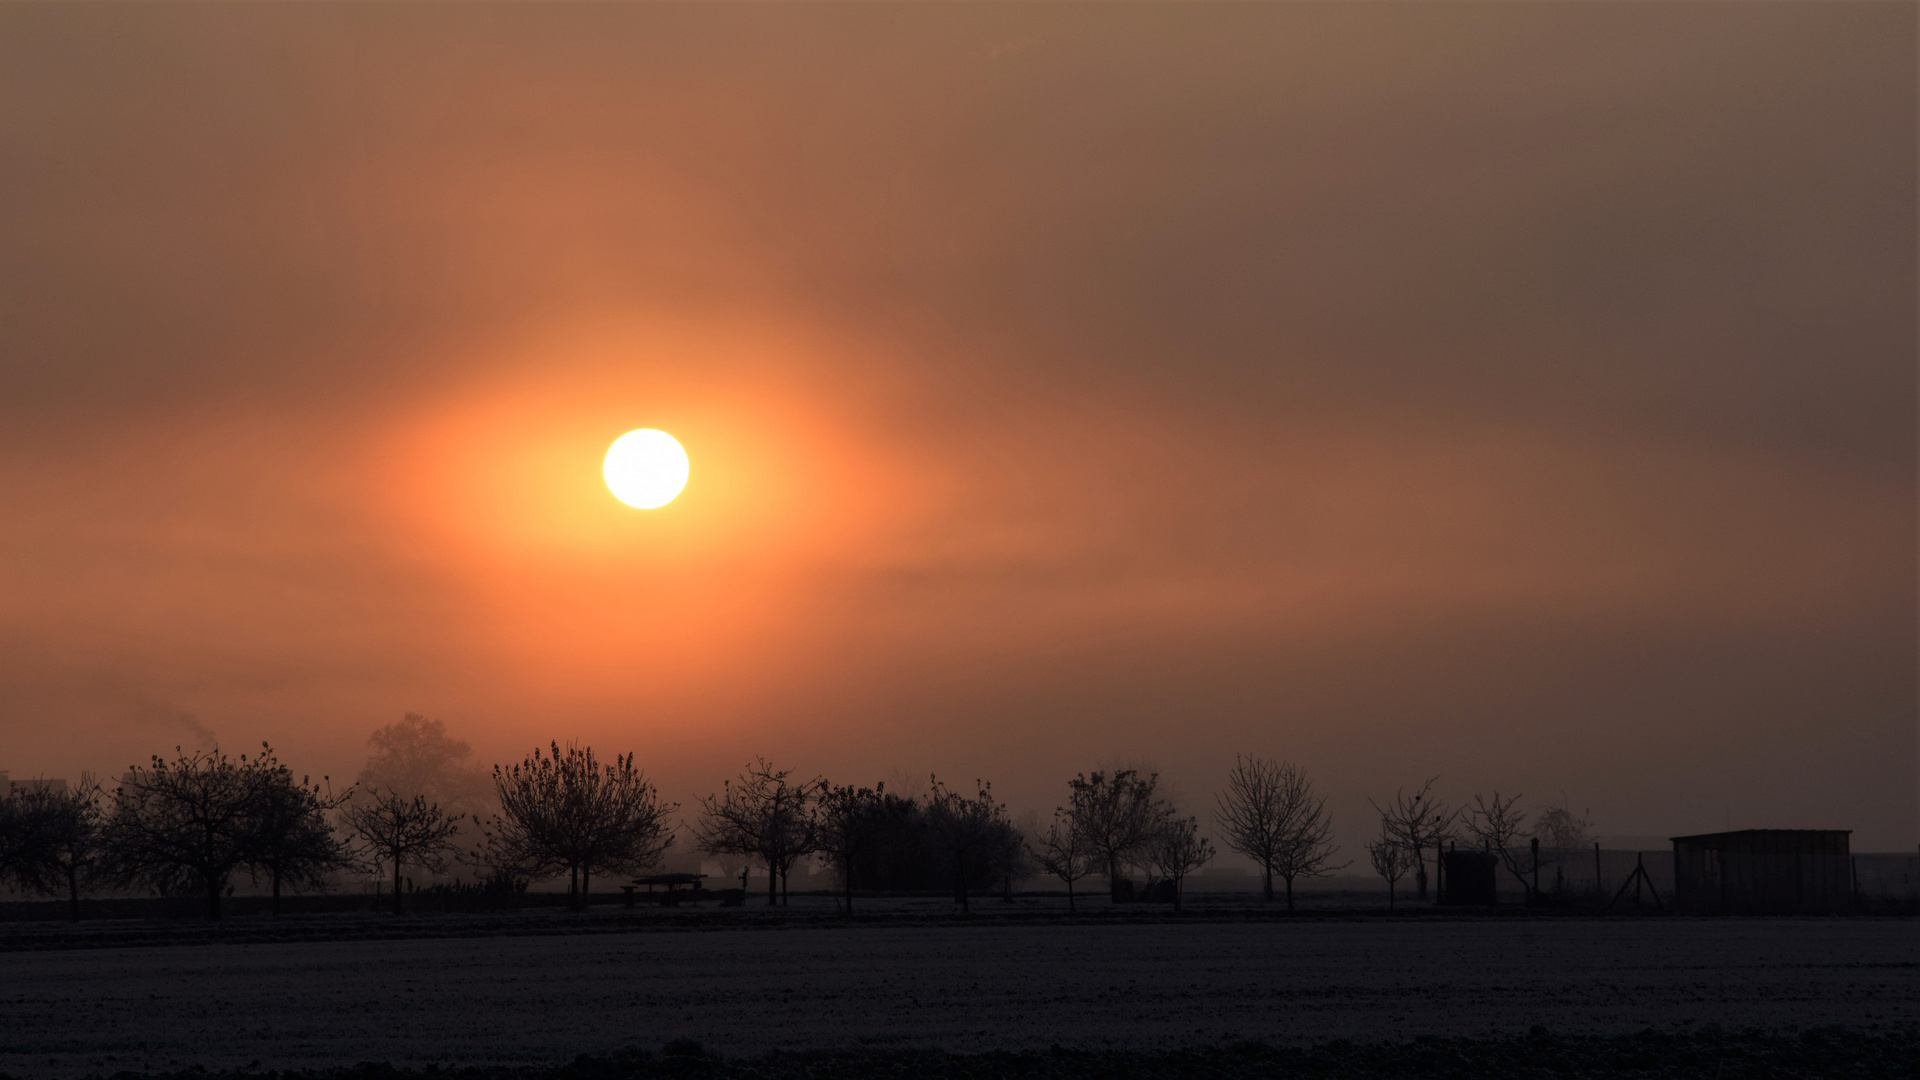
1881,881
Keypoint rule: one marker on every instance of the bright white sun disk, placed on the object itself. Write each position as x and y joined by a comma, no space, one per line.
646,468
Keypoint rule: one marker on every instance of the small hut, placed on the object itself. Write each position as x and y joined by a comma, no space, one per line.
1469,877
1763,872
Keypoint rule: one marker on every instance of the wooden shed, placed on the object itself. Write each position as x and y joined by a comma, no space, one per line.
1763,872
1469,877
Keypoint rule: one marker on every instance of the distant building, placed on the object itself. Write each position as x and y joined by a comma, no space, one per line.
1763,872
8,786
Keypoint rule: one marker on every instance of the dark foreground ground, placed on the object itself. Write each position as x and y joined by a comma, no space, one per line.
1811,1055
1149,999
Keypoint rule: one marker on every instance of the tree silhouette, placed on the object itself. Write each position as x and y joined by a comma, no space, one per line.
1498,824
1064,853
13,833
1562,834
1261,810
290,838
1177,849
188,822
1305,845
1390,861
398,831
568,810
850,823
902,853
1117,814
764,815
974,832
59,847
1417,822
416,756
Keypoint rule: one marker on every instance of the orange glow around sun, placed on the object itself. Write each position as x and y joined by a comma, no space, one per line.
504,488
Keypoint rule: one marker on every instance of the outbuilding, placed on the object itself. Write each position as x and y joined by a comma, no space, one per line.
1763,872
1469,877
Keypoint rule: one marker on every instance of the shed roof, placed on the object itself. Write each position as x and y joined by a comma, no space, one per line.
1779,840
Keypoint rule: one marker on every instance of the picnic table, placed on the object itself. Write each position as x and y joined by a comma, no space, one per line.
673,883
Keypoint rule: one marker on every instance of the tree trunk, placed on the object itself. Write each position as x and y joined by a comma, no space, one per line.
1289,878
1070,908
1267,880
1176,896
586,886
849,887
276,892
1419,874
960,881
1389,896
73,892
213,898
1113,878
773,884
396,883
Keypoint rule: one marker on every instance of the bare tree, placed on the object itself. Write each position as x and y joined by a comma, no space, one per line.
1562,835
1117,814
398,831
58,845
1390,861
1417,822
517,845
291,838
13,836
1499,824
13,833
848,826
186,822
762,814
1177,849
974,832
1005,860
416,756
505,865
1064,852
1262,811
567,809
1305,847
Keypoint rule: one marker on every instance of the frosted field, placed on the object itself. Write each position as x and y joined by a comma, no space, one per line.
545,999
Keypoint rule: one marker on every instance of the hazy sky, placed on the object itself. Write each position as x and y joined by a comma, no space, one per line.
1519,393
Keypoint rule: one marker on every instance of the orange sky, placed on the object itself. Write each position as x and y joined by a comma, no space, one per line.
1517,393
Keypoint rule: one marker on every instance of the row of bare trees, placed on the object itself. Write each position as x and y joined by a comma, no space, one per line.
869,837
193,823
50,839
559,810
1117,821
1412,826
196,822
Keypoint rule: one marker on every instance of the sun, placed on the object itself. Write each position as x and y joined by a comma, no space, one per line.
646,468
